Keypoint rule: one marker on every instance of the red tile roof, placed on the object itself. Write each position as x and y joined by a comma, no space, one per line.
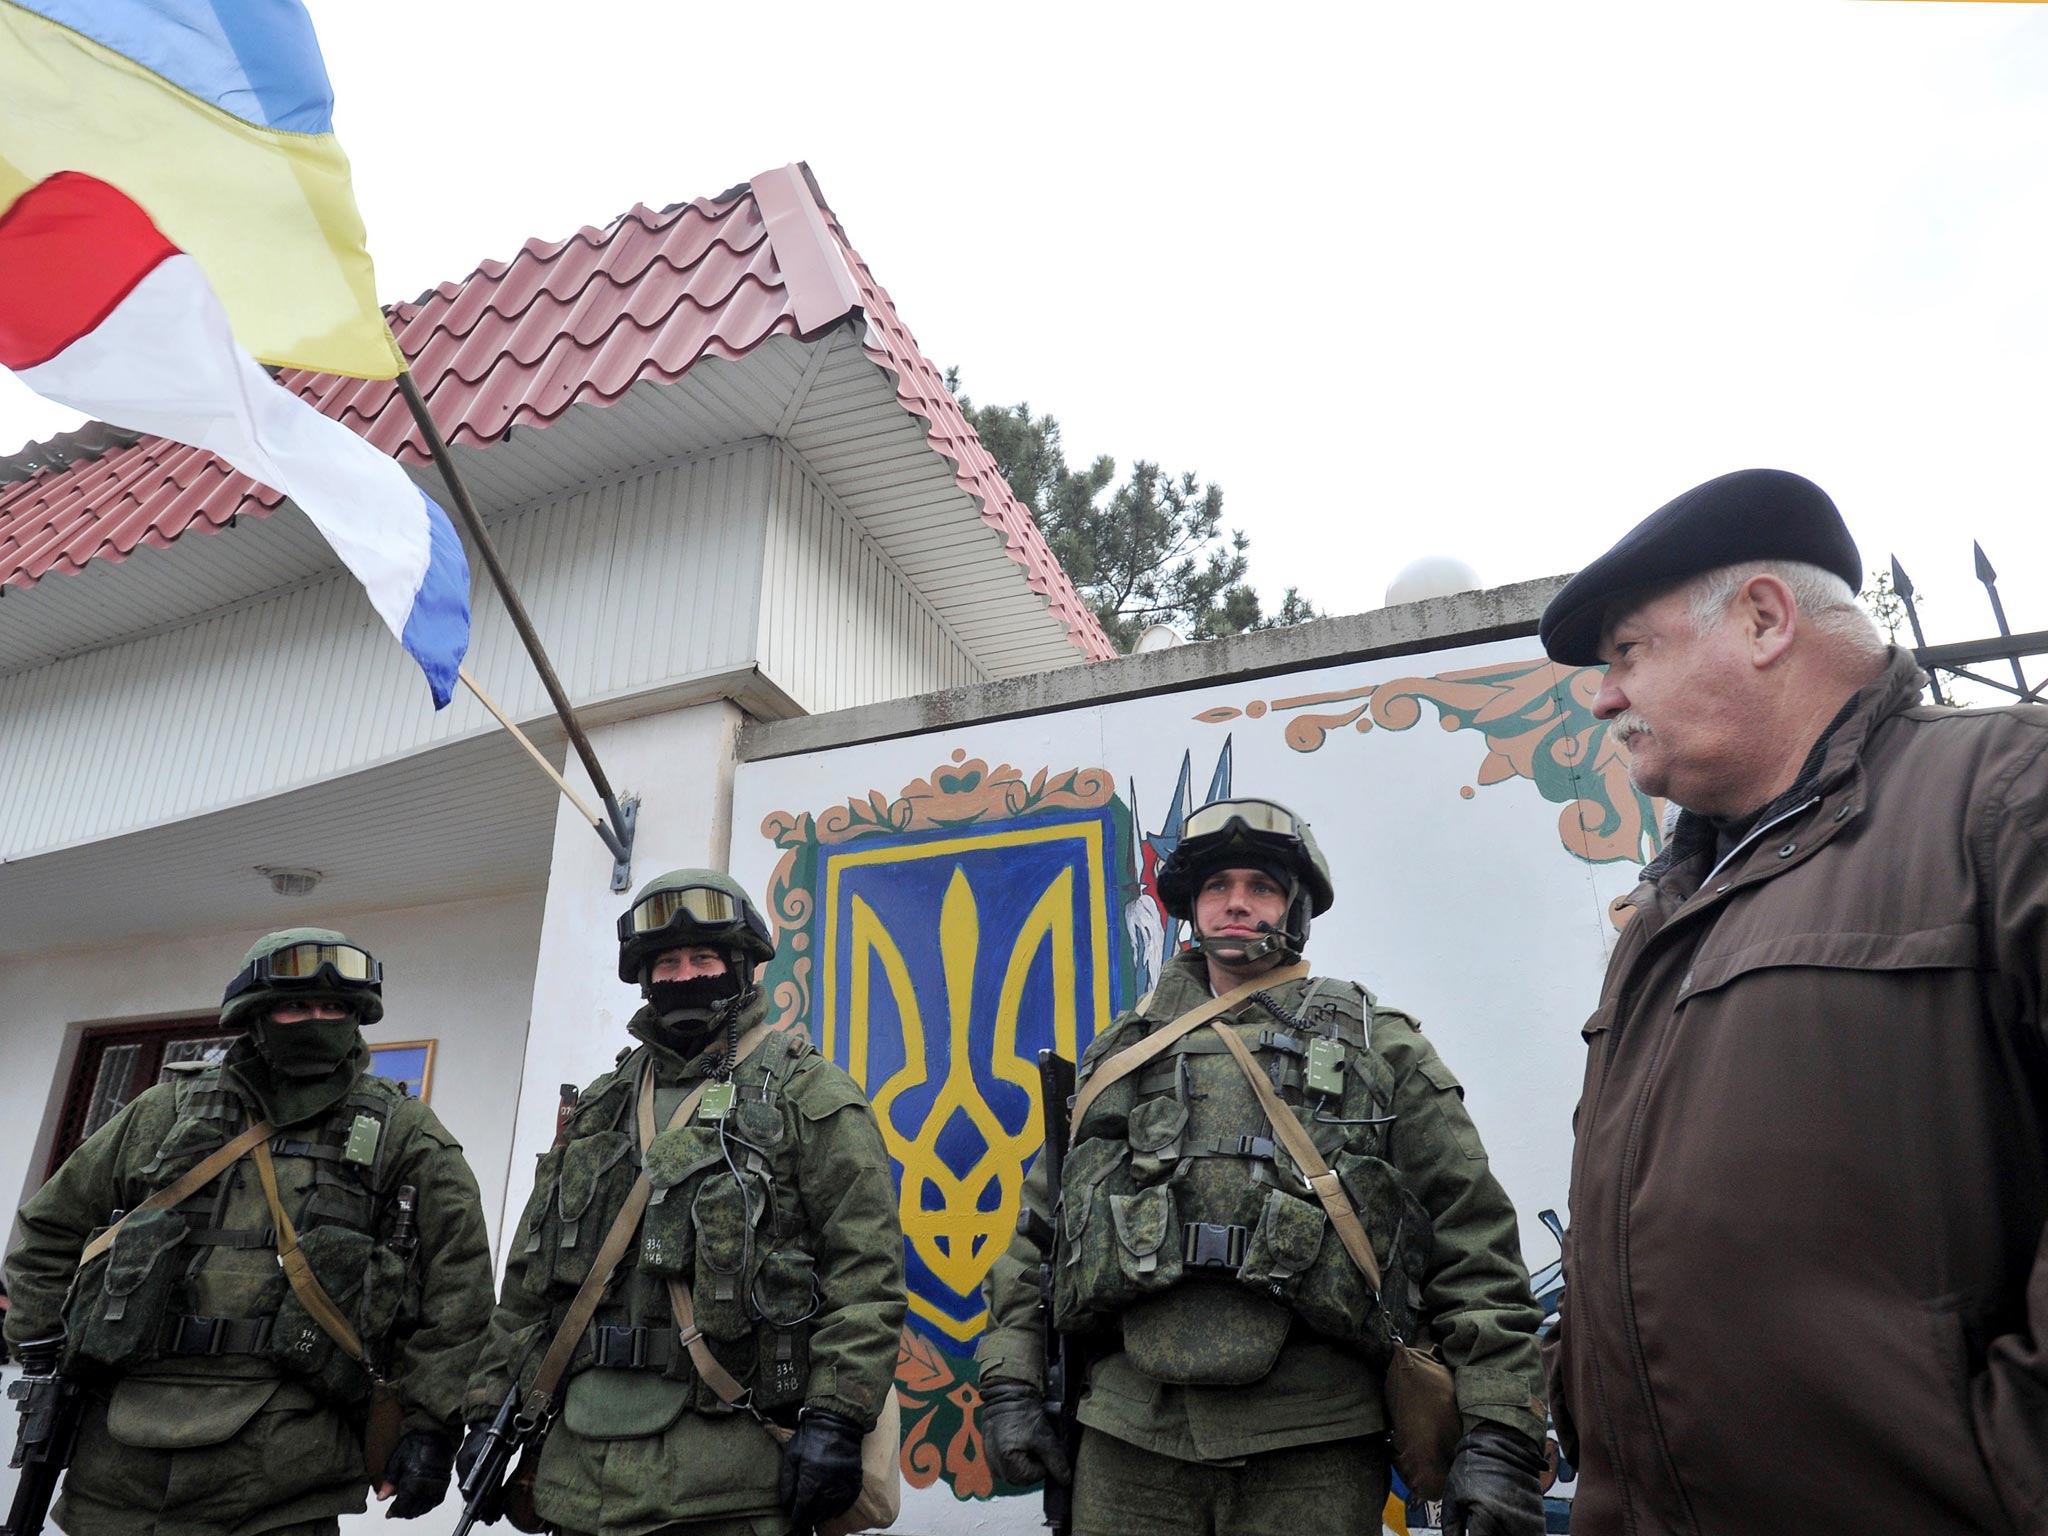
518,342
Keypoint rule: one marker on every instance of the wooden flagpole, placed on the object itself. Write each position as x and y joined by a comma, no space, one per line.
618,835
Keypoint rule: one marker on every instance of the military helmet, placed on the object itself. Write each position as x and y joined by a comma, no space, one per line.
305,964
687,907
1235,833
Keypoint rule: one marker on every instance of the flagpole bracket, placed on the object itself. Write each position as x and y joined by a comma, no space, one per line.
628,814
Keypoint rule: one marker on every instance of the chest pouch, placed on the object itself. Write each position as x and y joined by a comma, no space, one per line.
1148,1239
595,1173
121,1299
342,1262
668,1235
786,1298
1158,1128
1088,1284
727,1212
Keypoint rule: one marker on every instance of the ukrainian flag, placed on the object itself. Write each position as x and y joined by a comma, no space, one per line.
217,118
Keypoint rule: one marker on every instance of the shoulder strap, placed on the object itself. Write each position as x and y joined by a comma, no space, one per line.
555,1363
1129,1059
304,1283
202,1173
1302,1148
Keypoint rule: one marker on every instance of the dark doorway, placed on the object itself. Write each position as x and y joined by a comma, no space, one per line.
117,1063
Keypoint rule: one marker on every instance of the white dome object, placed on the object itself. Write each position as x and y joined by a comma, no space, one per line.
1431,576
1157,637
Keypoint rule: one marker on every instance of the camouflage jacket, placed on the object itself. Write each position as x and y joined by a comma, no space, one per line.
1473,1297
797,1283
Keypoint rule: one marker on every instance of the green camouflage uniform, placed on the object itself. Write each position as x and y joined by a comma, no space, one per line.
805,1307
1294,1339
266,1436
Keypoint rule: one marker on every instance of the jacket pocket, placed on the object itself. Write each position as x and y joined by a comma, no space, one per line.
1954,947
120,1301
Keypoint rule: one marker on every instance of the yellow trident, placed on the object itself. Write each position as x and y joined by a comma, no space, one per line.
959,1240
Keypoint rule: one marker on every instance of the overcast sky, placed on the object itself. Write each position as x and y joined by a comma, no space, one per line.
1491,279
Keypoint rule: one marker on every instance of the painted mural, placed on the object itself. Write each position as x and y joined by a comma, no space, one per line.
947,906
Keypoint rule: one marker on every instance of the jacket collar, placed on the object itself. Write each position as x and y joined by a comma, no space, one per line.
647,1029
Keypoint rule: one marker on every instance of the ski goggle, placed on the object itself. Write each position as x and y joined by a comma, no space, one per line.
1255,816
704,907
341,966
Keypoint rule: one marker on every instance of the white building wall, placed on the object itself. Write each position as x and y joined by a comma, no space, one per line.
636,583
842,625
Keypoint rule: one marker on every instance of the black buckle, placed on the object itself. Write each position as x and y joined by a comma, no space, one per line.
198,1335
1212,1245
1285,1043
1254,1146
620,1349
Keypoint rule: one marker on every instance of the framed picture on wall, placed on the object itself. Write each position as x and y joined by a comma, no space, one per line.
410,1062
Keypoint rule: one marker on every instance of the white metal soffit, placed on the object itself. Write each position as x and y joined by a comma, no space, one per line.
841,417
470,819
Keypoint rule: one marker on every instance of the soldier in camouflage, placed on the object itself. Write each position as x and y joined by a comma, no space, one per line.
1237,1352
772,1224
219,1401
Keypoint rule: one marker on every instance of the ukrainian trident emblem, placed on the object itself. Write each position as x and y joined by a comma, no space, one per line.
934,943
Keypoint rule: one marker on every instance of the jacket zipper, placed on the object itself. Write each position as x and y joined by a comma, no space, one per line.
1637,1365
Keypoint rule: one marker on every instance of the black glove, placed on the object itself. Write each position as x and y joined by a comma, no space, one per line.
1020,1443
418,1470
1495,1485
820,1467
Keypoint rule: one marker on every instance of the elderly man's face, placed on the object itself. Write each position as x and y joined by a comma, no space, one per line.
1681,703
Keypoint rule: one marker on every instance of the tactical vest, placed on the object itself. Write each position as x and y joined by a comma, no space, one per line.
1185,1224
202,1278
725,1218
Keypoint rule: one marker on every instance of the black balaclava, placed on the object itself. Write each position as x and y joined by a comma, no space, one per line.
310,1049
685,1013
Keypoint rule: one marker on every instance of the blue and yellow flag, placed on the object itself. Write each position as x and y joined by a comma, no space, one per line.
216,117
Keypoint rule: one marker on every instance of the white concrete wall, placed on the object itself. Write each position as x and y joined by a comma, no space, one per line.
682,762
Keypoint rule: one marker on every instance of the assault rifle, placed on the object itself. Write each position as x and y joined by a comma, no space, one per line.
1065,1371
483,1485
50,1408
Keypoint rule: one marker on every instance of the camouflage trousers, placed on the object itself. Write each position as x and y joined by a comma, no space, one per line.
1338,1488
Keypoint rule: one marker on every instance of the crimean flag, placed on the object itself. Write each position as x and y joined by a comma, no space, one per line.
100,311
216,116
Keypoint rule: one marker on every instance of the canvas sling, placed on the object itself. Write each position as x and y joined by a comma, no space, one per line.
197,1178
1422,1399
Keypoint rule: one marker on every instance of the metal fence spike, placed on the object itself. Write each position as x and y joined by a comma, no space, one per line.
1901,582
1984,572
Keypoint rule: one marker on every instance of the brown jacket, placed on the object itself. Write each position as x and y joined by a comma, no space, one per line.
1807,1287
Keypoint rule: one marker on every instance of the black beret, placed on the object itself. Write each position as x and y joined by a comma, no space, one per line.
1753,514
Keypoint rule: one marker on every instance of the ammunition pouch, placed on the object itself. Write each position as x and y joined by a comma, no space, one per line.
119,1301
729,1255
1201,1335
